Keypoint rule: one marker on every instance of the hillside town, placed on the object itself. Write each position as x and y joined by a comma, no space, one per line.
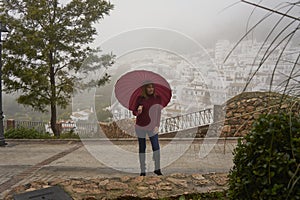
215,79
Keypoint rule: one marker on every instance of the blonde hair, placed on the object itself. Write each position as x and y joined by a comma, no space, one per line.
144,90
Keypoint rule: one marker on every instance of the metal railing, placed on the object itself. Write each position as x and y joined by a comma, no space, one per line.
44,127
187,121
39,126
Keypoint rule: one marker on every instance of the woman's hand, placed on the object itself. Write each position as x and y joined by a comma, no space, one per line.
140,109
155,130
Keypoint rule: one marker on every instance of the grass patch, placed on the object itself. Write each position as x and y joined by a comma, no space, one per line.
197,196
194,196
25,133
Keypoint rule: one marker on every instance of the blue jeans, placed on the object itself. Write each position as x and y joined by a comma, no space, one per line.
141,134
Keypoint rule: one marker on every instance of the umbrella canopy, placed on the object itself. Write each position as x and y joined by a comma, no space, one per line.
129,87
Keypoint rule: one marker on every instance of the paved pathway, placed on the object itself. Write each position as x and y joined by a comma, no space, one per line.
26,161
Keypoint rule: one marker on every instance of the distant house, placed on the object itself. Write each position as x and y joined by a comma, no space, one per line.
120,112
174,109
82,115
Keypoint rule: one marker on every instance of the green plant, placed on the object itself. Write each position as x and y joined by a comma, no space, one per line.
69,135
267,160
218,195
25,133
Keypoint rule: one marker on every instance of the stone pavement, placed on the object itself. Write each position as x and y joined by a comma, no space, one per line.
24,162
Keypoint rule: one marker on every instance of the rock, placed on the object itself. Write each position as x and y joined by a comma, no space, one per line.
142,188
179,182
30,189
95,189
37,184
198,176
90,198
80,190
233,122
245,116
129,193
137,179
232,105
55,182
220,179
104,182
250,109
229,114
236,114
257,102
226,129
153,180
125,178
260,108
114,185
256,115
240,110
152,195
285,106
178,175
75,182
152,187
201,182
165,186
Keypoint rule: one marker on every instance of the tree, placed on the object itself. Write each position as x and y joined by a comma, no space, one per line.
46,47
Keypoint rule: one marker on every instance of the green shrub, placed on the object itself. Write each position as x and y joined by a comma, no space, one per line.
69,135
267,160
25,133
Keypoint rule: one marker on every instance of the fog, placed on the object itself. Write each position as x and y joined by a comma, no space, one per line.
205,21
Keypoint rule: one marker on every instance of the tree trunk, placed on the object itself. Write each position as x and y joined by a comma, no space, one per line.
53,120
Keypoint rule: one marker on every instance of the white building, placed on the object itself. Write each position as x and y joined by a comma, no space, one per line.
82,115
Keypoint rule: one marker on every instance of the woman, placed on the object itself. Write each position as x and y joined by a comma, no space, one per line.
148,112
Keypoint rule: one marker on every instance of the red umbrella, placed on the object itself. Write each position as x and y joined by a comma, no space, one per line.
129,87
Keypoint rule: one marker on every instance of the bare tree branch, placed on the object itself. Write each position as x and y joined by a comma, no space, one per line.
271,10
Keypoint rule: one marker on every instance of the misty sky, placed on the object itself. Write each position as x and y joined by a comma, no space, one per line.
204,20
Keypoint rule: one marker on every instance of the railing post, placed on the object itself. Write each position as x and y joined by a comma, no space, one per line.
59,127
10,124
217,113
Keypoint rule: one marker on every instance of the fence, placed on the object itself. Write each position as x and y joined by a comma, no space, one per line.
183,122
81,128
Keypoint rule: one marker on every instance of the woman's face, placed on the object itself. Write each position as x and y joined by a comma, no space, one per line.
150,89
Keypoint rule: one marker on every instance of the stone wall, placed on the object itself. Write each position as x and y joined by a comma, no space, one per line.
120,129
243,109
125,129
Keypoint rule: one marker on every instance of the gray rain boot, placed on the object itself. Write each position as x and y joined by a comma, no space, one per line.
156,158
142,157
